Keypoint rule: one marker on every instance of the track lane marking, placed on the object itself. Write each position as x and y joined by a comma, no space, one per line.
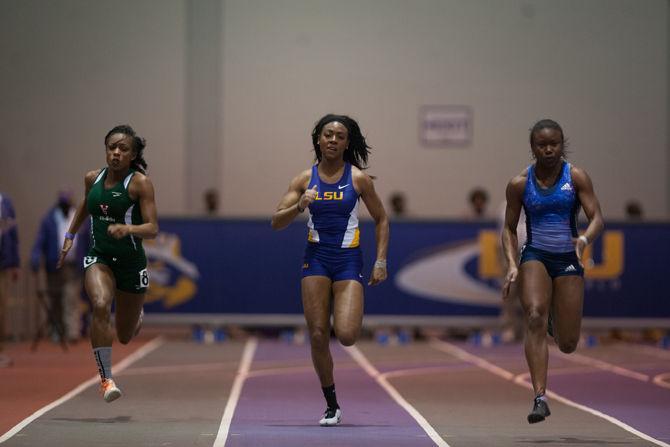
236,390
365,364
653,351
123,364
178,369
660,380
518,379
600,364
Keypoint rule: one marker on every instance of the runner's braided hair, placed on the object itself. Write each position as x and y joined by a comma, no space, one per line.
138,145
358,150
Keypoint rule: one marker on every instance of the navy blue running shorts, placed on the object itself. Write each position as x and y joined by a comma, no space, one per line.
338,264
557,264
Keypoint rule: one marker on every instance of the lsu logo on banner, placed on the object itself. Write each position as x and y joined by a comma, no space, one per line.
469,271
610,267
172,277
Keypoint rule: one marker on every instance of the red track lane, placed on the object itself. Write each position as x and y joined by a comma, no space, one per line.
38,378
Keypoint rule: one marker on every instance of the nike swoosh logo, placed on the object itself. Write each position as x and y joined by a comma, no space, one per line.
342,187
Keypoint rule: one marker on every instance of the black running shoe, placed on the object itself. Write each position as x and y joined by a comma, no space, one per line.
331,416
550,324
540,411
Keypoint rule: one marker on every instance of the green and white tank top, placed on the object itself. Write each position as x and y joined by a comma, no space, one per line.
113,206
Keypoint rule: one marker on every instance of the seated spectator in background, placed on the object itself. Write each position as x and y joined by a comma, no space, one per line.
478,200
211,199
398,204
63,285
9,264
634,210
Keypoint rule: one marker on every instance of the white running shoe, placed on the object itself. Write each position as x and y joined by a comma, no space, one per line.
109,390
331,416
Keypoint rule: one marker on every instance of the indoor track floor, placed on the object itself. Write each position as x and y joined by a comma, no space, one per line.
261,392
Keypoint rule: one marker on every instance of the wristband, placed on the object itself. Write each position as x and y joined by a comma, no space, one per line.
69,235
300,210
380,263
584,239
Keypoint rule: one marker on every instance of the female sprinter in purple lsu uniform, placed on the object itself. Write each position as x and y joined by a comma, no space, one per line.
330,191
550,270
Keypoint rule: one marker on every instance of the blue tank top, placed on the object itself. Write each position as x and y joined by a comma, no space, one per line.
333,216
551,213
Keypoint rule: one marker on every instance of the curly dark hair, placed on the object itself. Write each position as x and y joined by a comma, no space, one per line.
358,150
139,144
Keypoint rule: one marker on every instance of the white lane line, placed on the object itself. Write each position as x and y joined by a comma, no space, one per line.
358,356
179,369
236,391
660,380
462,354
653,351
524,378
518,379
123,364
282,371
605,366
418,371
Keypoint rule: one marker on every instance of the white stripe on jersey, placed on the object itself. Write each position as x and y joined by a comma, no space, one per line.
313,235
352,228
127,180
92,234
97,179
129,220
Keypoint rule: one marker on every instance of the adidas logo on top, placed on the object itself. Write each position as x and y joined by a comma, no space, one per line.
570,268
566,187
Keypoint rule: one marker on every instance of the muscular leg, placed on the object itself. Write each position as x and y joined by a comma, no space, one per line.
128,308
535,300
316,291
347,310
568,301
100,286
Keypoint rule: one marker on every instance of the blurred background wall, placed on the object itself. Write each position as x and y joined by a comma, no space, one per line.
226,93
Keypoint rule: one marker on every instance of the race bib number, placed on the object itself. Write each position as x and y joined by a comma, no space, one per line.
144,278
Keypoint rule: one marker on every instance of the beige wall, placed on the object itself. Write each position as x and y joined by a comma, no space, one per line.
597,67
72,69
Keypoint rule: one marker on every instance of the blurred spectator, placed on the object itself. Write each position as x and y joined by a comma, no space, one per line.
478,200
398,204
634,210
63,285
211,199
9,264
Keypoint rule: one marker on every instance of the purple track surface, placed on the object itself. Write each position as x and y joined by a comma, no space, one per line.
176,396
275,410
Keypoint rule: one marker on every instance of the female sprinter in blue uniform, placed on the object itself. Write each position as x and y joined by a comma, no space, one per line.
330,192
550,269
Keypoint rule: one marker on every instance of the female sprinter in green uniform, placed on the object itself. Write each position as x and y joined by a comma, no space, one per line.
120,201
